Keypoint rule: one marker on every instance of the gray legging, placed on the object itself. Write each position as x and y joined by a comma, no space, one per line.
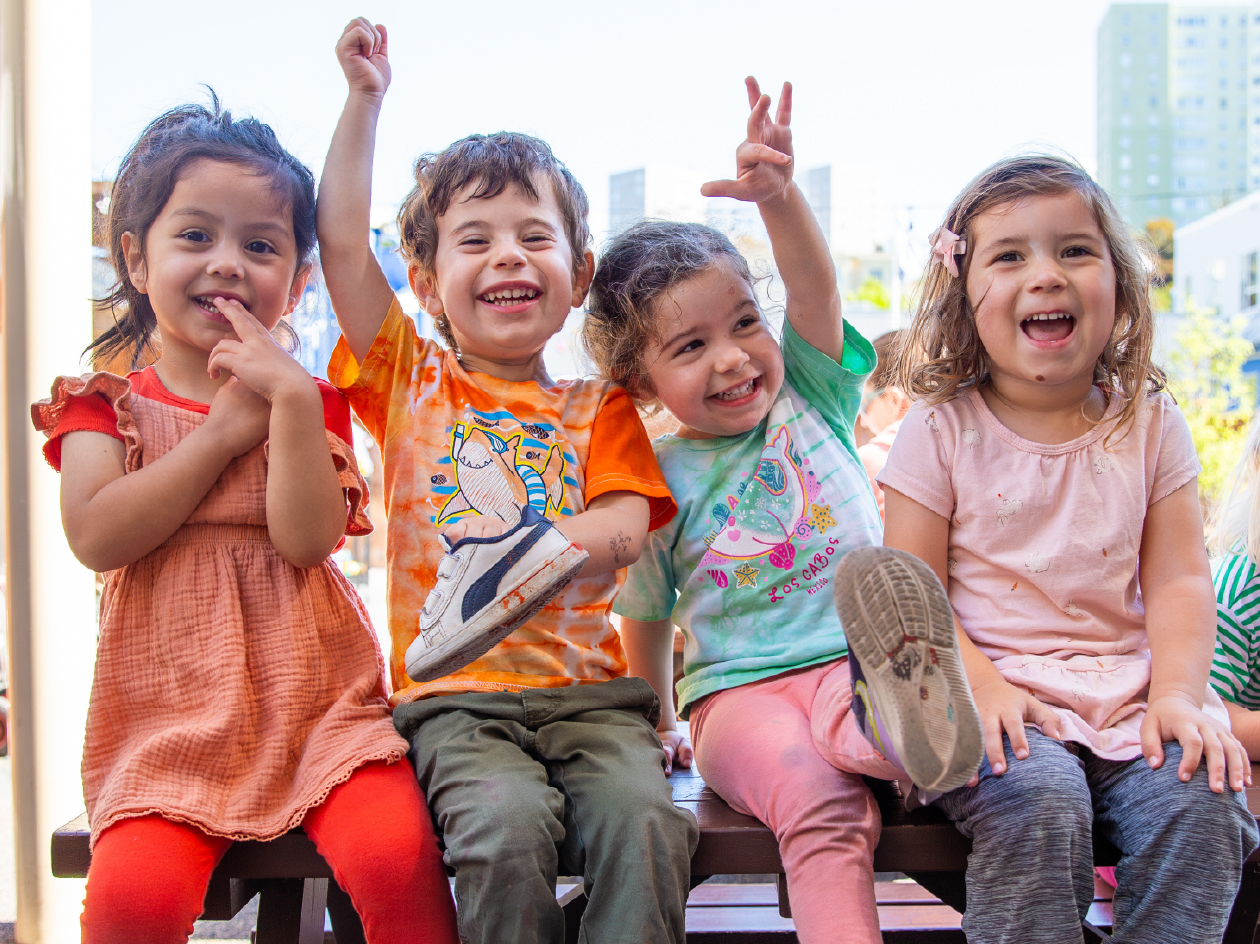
1030,873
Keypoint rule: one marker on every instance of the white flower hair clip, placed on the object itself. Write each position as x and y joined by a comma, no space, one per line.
946,248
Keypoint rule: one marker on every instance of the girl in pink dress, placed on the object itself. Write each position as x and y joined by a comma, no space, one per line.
239,689
1051,486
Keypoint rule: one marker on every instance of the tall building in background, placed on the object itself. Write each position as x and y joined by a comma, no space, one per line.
1178,108
625,199
817,187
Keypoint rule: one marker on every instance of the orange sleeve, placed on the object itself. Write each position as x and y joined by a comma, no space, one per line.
621,459
381,388
91,414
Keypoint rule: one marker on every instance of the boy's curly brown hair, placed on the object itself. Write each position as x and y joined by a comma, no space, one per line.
940,354
490,163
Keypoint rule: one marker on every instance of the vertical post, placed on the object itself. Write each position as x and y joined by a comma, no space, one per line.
45,320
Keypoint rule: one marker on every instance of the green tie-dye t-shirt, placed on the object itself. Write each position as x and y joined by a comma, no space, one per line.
744,568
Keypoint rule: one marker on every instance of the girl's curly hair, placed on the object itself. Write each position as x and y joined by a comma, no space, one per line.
940,354
637,267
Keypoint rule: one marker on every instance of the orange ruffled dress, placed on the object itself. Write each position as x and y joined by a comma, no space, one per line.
233,691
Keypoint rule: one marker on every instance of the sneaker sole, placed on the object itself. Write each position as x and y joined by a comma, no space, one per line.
498,620
891,603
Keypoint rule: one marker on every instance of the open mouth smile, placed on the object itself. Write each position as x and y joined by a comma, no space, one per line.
206,304
1048,327
739,392
509,297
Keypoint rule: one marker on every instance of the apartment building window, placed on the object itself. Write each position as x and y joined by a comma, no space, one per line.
1251,280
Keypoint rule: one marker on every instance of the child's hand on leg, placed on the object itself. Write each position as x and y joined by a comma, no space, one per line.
763,163
1174,718
1005,709
677,749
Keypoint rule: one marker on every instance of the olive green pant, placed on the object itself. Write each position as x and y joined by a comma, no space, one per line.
525,786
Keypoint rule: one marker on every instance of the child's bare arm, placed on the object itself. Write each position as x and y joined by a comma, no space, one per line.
360,294
113,519
764,175
1245,725
613,530
306,509
650,654
1180,605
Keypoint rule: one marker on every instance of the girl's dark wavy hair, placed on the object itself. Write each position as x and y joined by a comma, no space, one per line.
940,355
146,178
637,267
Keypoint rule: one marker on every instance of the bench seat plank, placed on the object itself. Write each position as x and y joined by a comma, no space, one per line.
923,843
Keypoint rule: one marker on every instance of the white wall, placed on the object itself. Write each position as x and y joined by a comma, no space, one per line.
1209,257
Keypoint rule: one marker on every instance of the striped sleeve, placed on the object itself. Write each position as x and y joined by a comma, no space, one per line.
1235,672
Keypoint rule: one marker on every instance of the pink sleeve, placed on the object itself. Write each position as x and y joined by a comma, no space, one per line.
1177,463
920,464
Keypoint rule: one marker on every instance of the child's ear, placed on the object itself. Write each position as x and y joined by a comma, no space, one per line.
137,272
297,288
641,388
425,290
582,279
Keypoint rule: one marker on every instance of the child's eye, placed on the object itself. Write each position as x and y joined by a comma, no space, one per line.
195,236
1011,256
538,238
260,247
1077,251
747,321
689,347
474,241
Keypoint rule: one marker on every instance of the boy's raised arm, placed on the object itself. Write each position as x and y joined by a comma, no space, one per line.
764,176
359,291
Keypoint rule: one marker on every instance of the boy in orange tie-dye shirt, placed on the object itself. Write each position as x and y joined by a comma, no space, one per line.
540,757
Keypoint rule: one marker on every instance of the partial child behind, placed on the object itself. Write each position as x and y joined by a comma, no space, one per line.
539,757
1234,540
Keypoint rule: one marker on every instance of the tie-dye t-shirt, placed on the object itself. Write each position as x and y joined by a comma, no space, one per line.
744,568
456,444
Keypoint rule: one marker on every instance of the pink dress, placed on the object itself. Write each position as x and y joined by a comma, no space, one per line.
233,691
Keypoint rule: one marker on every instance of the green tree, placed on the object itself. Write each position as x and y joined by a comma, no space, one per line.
1205,375
875,292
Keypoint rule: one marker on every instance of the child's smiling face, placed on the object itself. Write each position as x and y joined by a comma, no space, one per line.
719,369
1043,287
222,233
504,278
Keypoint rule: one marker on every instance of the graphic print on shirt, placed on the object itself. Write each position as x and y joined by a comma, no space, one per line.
773,512
500,465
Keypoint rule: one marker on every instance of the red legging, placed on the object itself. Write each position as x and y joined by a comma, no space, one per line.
149,875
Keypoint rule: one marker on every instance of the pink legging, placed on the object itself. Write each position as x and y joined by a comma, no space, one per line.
787,751
149,875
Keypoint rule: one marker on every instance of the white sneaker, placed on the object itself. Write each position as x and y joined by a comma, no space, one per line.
910,695
486,587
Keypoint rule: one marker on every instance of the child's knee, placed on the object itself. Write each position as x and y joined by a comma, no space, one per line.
1044,795
505,825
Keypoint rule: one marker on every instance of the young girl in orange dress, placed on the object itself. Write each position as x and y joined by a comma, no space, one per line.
239,688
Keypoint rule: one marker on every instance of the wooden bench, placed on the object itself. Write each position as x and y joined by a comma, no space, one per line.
294,883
